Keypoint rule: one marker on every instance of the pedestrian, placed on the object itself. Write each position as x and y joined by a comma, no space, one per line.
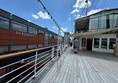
75,45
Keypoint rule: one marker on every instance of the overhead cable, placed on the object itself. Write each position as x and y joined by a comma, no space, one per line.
50,16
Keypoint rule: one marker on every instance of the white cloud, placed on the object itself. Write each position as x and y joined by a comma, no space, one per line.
64,29
54,27
74,11
81,4
35,16
94,11
77,16
43,15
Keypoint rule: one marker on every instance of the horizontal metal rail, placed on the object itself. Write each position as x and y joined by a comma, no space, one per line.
32,72
21,60
5,56
18,68
25,71
15,62
38,72
36,64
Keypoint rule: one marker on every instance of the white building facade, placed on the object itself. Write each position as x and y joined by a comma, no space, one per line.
103,42
104,20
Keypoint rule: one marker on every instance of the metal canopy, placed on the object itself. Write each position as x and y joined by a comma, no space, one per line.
92,33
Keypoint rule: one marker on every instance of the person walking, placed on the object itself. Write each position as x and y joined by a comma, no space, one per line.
75,45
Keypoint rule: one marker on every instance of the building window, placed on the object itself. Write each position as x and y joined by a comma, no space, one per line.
111,18
4,23
115,20
19,27
32,30
96,42
112,42
83,42
46,37
104,43
102,22
108,22
40,32
46,34
93,24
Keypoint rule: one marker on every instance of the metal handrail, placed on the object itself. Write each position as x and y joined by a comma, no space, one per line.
21,60
15,62
37,61
5,56
17,68
31,72
23,72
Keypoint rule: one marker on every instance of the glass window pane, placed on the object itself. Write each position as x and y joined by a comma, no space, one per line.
111,21
46,39
104,43
19,27
96,42
93,24
32,30
40,32
46,34
4,23
112,42
115,20
102,22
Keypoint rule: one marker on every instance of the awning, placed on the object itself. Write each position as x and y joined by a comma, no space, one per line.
92,33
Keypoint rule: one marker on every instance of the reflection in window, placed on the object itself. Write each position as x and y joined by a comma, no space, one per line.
40,32
96,42
115,20
112,42
4,23
102,22
111,18
19,27
93,24
46,34
104,43
46,39
32,30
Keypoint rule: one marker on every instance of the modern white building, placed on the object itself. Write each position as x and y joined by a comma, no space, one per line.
98,32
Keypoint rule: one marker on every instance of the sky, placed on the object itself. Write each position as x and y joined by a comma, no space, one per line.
63,11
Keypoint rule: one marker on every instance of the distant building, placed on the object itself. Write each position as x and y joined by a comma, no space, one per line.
103,20
66,38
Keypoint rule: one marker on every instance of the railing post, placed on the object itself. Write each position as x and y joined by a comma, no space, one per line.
35,63
60,49
52,55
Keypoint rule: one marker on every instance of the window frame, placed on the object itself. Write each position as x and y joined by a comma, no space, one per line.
23,29
112,47
102,43
97,46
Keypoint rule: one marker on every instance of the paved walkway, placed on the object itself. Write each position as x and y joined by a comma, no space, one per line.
84,67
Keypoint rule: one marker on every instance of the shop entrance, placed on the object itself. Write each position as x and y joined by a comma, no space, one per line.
89,44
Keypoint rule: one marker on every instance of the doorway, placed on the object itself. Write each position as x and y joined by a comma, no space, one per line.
89,44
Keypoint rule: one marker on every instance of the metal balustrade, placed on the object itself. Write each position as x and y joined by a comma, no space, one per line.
36,64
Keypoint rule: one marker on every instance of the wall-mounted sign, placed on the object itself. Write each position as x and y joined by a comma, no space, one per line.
24,34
